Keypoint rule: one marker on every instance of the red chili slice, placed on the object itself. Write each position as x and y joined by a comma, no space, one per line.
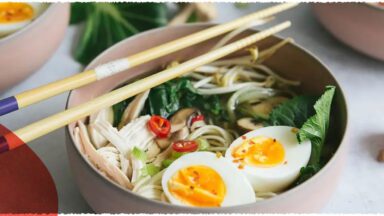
185,146
160,126
197,118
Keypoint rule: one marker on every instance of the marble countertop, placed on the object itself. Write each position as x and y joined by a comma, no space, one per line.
361,186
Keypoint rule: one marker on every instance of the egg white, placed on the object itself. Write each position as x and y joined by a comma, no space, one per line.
276,178
238,189
9,28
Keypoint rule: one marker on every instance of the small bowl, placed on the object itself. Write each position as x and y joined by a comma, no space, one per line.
359,25
26,50
291,61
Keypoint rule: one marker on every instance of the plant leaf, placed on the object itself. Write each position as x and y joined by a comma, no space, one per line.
109,23
169,97
315,128
293,112
150,169
139,154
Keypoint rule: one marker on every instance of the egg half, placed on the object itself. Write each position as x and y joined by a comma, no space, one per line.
16,15
204,179
270,157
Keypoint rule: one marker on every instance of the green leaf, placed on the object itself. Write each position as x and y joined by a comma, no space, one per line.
118,110
167,162
150,169
306,173
80,12
193,17
203,144
293,112
315,128
168,98
109,23
139,154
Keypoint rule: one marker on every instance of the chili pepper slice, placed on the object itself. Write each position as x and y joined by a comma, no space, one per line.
185,146
197,118
160,126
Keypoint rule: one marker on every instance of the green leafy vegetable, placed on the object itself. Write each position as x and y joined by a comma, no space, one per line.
109,23
150,169
139,154
167,162
203,144
306,173
315,129
118,111
168,98
293,112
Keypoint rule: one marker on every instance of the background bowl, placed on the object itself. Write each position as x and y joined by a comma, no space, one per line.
359,25
291,61
32,45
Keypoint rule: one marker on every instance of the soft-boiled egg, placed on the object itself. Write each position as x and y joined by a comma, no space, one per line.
205,179
16,15
270,157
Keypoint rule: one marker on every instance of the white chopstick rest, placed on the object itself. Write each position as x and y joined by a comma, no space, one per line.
112,68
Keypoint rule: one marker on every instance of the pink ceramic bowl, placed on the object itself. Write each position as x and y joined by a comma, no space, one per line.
359,25
26,50
291,61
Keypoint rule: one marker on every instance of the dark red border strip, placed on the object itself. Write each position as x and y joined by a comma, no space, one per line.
8,140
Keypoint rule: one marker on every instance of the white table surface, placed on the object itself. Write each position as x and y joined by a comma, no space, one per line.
361,187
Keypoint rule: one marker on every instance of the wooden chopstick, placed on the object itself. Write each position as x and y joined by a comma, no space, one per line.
56,121
32,96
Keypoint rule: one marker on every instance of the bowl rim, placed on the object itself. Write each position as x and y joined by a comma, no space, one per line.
277,198
374,6
50,9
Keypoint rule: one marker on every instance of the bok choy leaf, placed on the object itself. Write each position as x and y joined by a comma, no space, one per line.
109,23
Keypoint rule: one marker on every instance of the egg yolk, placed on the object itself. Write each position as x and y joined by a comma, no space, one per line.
15,12
199,186
259,151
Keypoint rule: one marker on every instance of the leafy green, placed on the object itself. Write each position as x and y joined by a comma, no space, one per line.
315,128
79,12
118,111
175,155
139,154
293,112
306,173
168,98
203,144
109,23
167,162
150,169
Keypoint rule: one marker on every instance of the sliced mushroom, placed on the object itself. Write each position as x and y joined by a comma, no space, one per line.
103,115
162,156
163,143
153,151
179,119
134,108
264,108
180,134
248,124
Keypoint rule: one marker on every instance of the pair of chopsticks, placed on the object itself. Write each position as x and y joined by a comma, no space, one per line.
32,96
11,140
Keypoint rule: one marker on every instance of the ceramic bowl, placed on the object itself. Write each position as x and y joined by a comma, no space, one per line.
32,45
359,25
291,61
